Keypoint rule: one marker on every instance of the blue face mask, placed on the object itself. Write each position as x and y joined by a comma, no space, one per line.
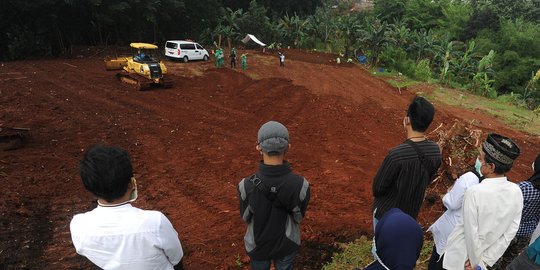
478,166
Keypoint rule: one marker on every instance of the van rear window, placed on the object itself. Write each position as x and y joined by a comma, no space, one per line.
171,45
187,46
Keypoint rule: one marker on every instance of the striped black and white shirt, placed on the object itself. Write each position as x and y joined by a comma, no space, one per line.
401,180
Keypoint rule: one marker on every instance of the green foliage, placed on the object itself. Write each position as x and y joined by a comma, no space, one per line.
390,10
422,71
373,38
349,28
392,57
357,254
293,29
482,18
255,22
323,24
482,83
454,19
423,14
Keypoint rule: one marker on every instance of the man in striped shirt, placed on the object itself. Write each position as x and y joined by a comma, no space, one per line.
409,168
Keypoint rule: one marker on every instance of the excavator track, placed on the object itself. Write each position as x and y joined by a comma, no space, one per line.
166,83
142,84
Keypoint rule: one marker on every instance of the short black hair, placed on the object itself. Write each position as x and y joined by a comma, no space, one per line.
106,172
499,167
421,113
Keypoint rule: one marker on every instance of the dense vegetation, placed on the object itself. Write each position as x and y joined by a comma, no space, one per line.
491,47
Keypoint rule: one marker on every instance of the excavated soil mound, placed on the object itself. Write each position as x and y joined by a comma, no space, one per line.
192,143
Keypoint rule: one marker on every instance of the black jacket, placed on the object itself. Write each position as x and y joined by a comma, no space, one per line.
273,227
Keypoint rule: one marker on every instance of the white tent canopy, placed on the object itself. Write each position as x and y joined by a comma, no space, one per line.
252,37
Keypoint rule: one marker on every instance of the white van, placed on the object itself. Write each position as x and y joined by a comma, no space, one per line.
185,50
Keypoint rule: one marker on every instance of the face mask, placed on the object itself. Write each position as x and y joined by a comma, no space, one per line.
478,166
133,196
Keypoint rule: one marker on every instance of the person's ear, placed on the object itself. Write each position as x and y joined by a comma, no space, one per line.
259,149
491,167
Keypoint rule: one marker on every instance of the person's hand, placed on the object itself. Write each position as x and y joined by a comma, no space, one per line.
468,265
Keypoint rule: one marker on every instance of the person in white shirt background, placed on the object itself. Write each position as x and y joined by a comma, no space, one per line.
116,235
453,201
491,211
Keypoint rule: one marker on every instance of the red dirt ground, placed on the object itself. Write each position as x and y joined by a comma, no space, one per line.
191,144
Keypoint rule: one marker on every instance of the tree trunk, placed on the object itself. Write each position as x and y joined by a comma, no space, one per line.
219,41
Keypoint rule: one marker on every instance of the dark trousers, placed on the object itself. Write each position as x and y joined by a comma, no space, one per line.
179,266
233,62
435,261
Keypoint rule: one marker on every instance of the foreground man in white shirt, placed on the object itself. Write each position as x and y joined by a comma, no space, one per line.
116,235
491,210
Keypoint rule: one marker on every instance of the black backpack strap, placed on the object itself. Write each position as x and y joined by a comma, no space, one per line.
269,192
422,157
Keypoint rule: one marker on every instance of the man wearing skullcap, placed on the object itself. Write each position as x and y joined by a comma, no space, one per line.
491,210
273,202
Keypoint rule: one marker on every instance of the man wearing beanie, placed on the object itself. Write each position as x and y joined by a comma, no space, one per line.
273,202
491,210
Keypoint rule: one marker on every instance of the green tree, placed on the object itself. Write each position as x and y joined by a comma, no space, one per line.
373,38
482,82
324,23
390,10
455,18
293,28
423,14
256,22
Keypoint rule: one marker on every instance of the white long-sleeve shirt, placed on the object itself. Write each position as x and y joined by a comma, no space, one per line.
453,201
491,216
125,237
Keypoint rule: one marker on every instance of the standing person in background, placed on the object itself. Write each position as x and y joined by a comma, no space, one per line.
453,201
233,58
281,59
491,210
116,235
244,61
529,217
220,61
409,168
273,202
530,258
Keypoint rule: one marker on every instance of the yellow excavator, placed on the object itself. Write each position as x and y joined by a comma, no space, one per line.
143,69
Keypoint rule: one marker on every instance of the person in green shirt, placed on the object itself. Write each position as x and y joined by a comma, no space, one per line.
244,61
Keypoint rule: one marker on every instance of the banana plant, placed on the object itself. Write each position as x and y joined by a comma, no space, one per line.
482,83
293,28
464,66
373,37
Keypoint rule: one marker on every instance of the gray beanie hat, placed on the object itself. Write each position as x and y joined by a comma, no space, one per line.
273,137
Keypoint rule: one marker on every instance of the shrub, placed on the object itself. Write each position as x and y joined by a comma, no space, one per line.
422,71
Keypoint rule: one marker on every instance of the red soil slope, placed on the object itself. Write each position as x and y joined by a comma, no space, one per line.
191,144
